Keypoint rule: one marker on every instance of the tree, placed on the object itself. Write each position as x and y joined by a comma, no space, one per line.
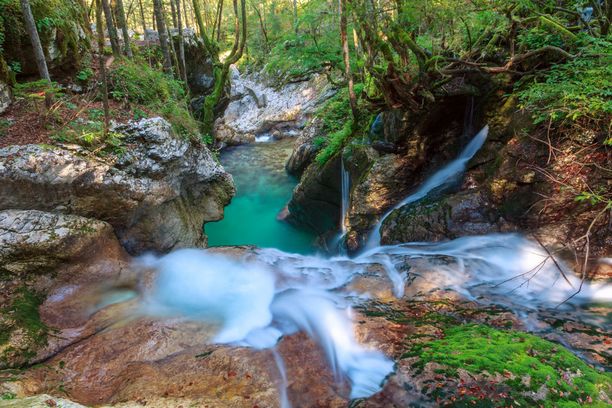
182,64
124,28
221,71
39,55
347,58
110,27
102,64
163,35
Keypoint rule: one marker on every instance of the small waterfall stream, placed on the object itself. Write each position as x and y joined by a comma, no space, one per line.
345,191
445,176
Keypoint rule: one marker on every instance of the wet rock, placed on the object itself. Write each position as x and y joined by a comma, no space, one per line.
228,137
39,253
462,214
40,401
6,96
315,203
157,195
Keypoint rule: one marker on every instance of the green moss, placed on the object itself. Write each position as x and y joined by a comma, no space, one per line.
22,314
335,141
515,355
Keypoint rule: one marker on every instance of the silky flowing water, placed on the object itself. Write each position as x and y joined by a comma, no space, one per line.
284,288
263,188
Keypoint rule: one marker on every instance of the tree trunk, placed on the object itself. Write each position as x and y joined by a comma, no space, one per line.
295,16
163,35
210,48
110,26
143,20
222,72
219,20
124,28
186,17
347,59
39,55
173,12
181,56
102,65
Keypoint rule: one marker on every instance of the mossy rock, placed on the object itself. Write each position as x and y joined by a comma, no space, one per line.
531,371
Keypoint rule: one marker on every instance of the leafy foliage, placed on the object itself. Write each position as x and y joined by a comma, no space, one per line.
576,92
136,82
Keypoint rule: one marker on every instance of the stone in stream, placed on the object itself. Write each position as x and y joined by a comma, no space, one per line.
156,195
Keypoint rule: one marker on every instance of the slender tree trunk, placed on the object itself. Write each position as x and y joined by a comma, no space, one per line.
124,28
173,11
186,17
222,72
295,16
163,35
347,58
102,64
182,65
210,48
39,55
143,20
261,26
219,18
110,26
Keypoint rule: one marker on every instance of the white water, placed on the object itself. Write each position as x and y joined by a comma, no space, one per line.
446,175
255,301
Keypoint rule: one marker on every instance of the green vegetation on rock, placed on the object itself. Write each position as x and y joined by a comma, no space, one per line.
134,81
21,316
537,371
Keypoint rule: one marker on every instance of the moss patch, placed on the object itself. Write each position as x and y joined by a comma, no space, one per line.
21,316
527,364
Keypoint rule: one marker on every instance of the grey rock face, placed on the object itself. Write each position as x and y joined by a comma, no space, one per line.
33,241
461,214
40,251
5,96
304,150
157,195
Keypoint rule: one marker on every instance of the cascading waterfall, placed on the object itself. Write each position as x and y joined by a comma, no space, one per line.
345,191
446,175
267,294
254,302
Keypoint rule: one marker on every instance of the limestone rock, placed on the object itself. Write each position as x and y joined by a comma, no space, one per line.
257,108
462,214
5,96
39,253
157,195
304,150
35,241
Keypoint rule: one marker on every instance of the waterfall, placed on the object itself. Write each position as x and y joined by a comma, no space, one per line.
446,175
345,179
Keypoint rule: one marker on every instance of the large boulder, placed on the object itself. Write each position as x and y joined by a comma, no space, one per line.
157,194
